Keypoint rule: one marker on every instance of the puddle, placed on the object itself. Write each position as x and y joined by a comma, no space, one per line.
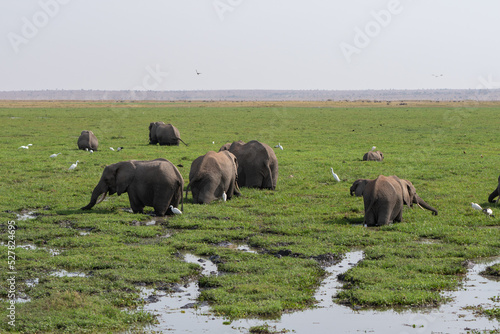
53,252
331,286
329,317
26,215
64,273
32,282
209,268
240,247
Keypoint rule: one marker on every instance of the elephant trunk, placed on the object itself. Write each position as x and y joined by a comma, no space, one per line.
424,205
97,197
493,195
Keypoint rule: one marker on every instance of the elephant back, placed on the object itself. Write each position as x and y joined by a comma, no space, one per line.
87,140
257,164
167,134
373,156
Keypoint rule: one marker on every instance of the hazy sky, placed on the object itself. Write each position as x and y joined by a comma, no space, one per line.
249,44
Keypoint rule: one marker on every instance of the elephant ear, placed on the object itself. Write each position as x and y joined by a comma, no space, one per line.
124,175
408,192
358,187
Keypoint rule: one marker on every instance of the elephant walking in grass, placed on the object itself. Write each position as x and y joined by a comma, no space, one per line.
212,175
87,141
257,164
373,156
385,197
164,134
155,183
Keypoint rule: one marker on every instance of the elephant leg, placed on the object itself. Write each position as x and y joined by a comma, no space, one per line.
135,204
399,216
384,218
161,204
370,218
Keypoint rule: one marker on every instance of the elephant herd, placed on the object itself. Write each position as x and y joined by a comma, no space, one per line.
159,184
219,175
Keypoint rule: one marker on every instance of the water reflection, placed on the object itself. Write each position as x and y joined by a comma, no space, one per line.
329,317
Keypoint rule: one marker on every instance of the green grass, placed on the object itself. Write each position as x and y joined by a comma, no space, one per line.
448,151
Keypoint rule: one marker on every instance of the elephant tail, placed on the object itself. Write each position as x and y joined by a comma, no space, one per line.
268,179
187,189
182,198
182,141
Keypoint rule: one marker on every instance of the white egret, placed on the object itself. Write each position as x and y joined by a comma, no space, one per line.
91,151
175,210
279,146
335,176
373,148
112,149
54,155
476,206
25,146
73,166
224,196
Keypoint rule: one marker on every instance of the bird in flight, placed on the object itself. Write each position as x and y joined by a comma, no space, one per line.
198,73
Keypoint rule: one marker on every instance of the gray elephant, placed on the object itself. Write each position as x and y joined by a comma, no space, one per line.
164,134
155,183
87,141
257,164
373,156
212,175
385,197
495,193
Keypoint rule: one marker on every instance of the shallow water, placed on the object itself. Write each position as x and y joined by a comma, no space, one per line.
329,317
26,215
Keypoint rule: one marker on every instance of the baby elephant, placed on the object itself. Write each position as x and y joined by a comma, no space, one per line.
373,156
385,197
212,175
155,183
87,141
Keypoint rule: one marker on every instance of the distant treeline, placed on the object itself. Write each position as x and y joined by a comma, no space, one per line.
258,95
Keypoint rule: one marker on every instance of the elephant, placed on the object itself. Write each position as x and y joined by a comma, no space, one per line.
212,175
257,164
373,156
164,134
155,183
495,193
87,141
385,197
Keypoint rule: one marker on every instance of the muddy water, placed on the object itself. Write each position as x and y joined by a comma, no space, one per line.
329,317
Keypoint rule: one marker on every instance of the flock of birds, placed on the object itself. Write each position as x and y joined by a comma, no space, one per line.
475,206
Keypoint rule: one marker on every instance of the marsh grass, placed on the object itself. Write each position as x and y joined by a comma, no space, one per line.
448,151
